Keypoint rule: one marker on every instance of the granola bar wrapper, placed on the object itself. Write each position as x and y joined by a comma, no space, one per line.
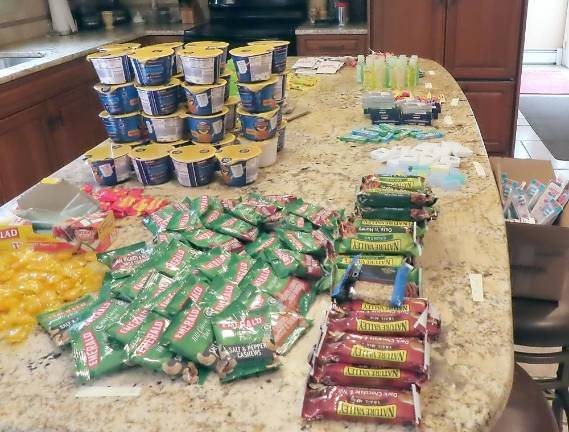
203,238
381,226
244,339
406,183
344,374
423,214
388,197
377,291
380,268
146,350
412,305
351,242
378,406
387,323
408,353
57,322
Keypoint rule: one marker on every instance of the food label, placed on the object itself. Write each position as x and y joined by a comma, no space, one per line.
199,71
354,410
382,327
260,67
241,66
170,129
217,126
352,371
188,323
151,337
382,307
90,348
135,322
360,351
110,70
371,246
202,99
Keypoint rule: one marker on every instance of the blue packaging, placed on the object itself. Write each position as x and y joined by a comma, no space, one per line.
258,126
118,99
206,129
258,97
152,163
205,99
159,100
227,77
152,65
252,63
124,128
110,164
280,53
181,91
112,67
239,164
194,165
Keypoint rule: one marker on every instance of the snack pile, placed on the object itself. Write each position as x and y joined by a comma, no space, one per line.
225,287
125,201
374,351
31,282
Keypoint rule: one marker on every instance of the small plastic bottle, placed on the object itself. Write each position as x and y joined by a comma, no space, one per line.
380,72
369,76
390,71
360,70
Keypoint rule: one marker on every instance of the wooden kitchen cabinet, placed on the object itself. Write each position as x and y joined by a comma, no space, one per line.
408,27
78,127
492,103
483,38
25,145
331,44
47,119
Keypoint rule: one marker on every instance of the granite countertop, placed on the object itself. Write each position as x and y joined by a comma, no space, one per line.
61,49
349,29
472,363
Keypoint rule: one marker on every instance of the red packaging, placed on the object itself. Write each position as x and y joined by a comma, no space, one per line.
376,351
362,404
385,323
364,376
413,305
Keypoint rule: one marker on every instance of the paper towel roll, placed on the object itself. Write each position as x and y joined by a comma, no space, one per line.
61,18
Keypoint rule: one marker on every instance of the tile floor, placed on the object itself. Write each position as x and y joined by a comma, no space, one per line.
529,146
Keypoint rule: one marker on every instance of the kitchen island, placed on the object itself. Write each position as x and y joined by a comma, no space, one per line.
472,363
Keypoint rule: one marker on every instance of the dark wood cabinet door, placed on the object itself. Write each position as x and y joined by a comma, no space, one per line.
26,148
484,38
408,27
78,125
493,106
335,45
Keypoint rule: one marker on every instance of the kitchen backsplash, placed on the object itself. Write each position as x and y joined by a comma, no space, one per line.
23,19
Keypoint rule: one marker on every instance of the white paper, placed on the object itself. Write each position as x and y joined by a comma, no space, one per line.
476,287
479,169
306,62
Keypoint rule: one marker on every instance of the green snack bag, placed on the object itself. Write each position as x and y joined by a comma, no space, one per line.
221,294
56,322
314,243
293,222
263,242
94,354
386,197
184,221
238,268
204,204
286,263
145,350
190,335
158,221
213,263
124,330
204,238
132,286
243,337
409,183
286,327
254,209
191,292
155,287
398,214
380,267
369,242
293,293
124,261
103,314
166,237
230,225
176,259
279,200
319,216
